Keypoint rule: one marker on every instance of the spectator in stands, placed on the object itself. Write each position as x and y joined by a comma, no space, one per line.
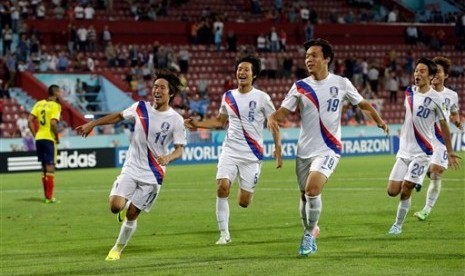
304,13
273,38
90,64
232,41
1,105
218,38
89,12
79,91
22,124
218,24
255,6
82,38
392,85
411,35
7,36
202,85
91,38
288,63
110,55
40,11
261,43
392,16
106,36
139,183
78,12
282,40
14,17
59,12
63,61
309,30
23,49
271,65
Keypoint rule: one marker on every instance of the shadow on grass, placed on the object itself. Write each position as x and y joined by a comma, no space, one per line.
32,199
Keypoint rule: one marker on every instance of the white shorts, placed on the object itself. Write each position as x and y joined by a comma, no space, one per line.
247,172
440,156
413,170
142,195
325,164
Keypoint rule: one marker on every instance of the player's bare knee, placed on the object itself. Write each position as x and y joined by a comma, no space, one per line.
392,193
115,209
312,191
132,214
436,175
244,204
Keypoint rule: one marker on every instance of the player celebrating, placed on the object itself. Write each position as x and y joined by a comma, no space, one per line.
47,112
424,106
246,109
319,98
157,126
439,158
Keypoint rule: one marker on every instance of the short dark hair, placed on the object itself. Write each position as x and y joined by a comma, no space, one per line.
444,62
326,47
52,88
432,68
255,61
174,83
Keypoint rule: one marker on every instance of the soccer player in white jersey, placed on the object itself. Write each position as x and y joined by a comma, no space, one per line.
423,107
157,126
439,158
246,108
320,99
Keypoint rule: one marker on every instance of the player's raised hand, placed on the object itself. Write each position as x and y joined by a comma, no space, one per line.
85,129
454,160
278,157
273,124
384,127
189,123
459,125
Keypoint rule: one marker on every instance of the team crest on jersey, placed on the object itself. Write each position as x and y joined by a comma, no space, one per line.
447,103
165,126
427,101
252,104
333,91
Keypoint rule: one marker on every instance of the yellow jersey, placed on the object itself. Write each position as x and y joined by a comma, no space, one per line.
46,111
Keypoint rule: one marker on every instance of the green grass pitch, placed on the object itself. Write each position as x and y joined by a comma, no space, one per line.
177,237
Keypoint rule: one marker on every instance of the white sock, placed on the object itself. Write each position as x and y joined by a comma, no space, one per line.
402,210
222,215
432,195
313,211
127,230
303,214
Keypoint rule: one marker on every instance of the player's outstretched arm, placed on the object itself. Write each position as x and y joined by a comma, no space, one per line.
455,119
366,106
452,156
176,154
217,122
273,125
86,128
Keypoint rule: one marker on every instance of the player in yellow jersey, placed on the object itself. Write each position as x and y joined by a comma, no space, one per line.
47,113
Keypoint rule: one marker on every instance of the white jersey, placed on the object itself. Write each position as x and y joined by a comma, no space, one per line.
247,113
451,102
422,110
320,105
154,132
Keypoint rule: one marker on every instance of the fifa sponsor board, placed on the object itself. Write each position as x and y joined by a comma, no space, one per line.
66,159
210,152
